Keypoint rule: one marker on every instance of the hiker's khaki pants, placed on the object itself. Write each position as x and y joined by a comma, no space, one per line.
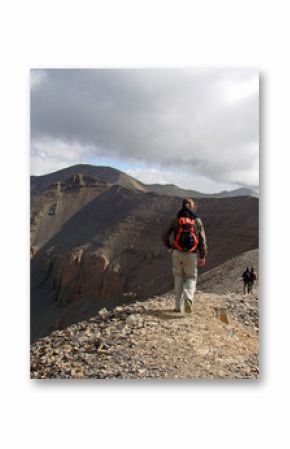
184,267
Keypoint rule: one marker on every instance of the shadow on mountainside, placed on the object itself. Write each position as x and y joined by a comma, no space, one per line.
93,220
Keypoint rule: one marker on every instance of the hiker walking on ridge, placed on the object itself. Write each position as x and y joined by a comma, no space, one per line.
188,250
249,277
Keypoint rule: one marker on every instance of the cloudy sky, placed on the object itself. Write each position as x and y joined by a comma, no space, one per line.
198,129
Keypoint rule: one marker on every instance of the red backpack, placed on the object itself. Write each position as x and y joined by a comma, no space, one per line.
254,275
186,239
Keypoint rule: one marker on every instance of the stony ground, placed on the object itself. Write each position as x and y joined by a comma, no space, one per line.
220,339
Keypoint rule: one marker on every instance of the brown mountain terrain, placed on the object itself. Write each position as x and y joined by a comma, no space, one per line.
227,276
95,243
146,339
106,175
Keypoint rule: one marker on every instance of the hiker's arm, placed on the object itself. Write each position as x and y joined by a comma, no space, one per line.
165,237
202,244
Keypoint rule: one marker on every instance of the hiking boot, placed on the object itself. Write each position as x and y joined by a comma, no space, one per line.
188,306
177,309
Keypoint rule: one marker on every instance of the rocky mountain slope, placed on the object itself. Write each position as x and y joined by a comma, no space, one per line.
108,175
220,339
96,244
227,276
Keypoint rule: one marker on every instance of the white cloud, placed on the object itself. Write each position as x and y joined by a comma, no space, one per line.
51,155
235,92
182,180
204,123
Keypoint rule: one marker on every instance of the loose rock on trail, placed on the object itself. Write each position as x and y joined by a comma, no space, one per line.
220,339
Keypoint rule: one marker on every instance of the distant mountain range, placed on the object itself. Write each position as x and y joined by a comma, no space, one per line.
113,176
96,240
173,190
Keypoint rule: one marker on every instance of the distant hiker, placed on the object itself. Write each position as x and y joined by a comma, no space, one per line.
248,277
188,249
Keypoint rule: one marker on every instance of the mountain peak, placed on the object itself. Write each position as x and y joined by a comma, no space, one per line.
105,174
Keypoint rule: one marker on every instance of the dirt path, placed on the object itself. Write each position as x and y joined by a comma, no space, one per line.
220,339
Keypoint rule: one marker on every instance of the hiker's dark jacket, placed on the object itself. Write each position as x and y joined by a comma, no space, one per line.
199,228
247,276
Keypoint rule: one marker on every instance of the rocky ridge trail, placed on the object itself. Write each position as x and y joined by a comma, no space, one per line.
220,339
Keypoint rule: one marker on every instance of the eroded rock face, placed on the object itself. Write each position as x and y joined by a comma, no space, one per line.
80,274
74,285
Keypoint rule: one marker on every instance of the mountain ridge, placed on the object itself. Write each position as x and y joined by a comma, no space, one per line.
112,175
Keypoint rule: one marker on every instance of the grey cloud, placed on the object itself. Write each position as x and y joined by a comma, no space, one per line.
170,117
